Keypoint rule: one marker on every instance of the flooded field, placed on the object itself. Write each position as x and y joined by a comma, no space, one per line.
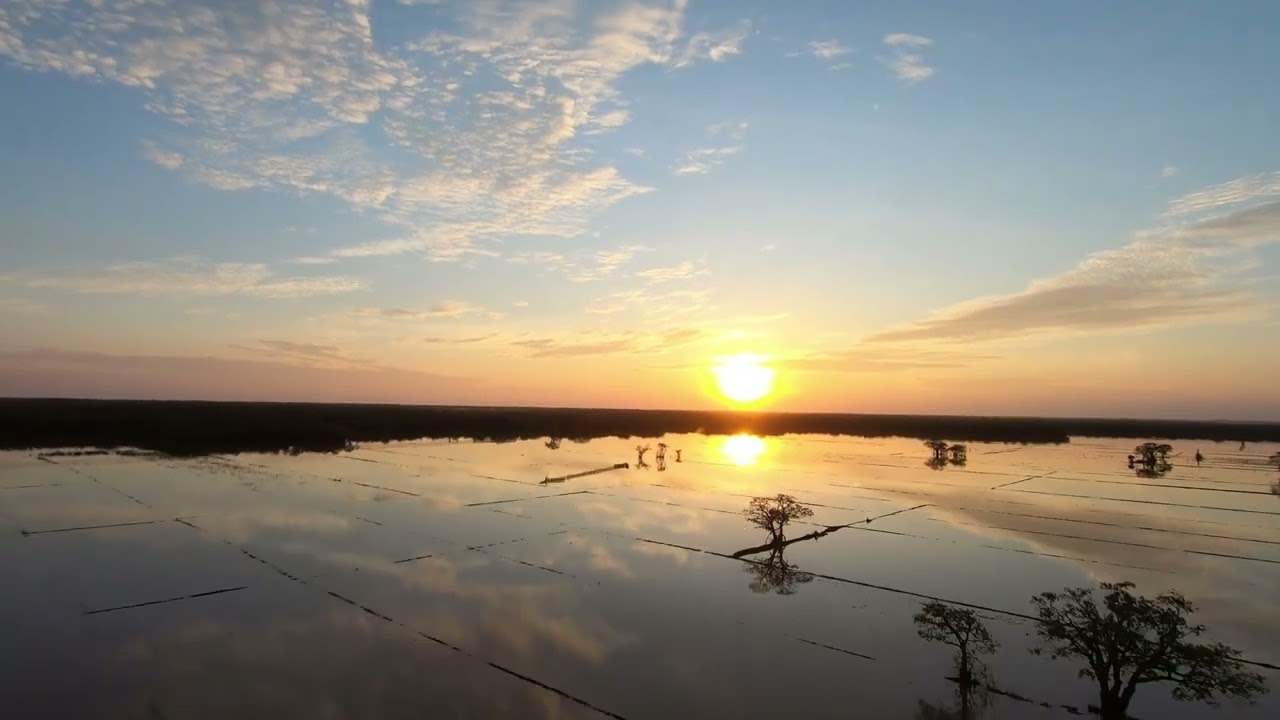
460,579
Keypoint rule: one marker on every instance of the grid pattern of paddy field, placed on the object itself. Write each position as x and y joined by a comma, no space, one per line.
469,579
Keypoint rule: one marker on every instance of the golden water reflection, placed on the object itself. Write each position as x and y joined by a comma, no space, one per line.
743,449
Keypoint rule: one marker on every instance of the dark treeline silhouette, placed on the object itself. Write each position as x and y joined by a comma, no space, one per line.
193,428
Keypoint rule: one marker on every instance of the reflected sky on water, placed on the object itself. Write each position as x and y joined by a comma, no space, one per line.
455,578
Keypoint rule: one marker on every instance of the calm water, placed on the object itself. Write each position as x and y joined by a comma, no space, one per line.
450,580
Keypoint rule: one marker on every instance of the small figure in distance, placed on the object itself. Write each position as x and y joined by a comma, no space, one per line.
1199,457
678,451
1241,444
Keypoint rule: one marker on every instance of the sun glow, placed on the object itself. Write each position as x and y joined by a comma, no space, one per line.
742,449
744,378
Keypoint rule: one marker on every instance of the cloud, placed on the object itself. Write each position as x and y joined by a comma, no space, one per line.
443,309
724,141
185,276
586,267
21,306
471,340
652,303
1169,171
477,131
520,304
828,49
682,271
871,358
305,353
716,47
312,260
1234,192
591,344
62,373
907,57
1174,274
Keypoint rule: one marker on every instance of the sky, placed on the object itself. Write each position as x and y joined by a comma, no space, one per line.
989,207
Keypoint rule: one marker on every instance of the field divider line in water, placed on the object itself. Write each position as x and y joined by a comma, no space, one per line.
1084,560
1190,533
90,527
28,487
536,497
1164,486
166,600
316,587
607,468
1114,542
1150,502
1025,479
836,649
379,487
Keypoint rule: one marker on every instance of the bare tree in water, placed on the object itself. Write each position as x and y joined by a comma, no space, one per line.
640,452
773,514
1128,640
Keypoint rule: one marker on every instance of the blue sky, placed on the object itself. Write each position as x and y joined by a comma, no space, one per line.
1006,207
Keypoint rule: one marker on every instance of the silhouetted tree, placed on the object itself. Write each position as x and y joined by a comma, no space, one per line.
959,453
553,443
775,574
962,629
1153,453
939,448
773,514
640,451
936,463
1130,640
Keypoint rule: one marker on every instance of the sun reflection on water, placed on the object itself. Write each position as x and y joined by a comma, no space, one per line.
743,449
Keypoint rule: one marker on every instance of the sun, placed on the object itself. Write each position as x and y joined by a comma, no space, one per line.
743,378
742,449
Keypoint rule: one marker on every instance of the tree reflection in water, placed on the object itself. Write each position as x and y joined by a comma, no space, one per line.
774,574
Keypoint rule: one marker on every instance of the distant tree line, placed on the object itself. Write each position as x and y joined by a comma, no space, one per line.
190,428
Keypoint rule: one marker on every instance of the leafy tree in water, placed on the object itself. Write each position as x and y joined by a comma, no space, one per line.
962,629
939,448
1131,640
773,514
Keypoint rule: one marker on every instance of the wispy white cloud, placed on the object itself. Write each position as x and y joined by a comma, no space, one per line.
488,121
581,268
1191,271
1234,192
185,276
724,140
828,49
608,343
682,271
1169,171
714,46
907,56
653,302
451,309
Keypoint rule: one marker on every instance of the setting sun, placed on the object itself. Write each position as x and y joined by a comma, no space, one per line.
744,378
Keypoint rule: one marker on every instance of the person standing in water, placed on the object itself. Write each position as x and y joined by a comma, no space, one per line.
1199,457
